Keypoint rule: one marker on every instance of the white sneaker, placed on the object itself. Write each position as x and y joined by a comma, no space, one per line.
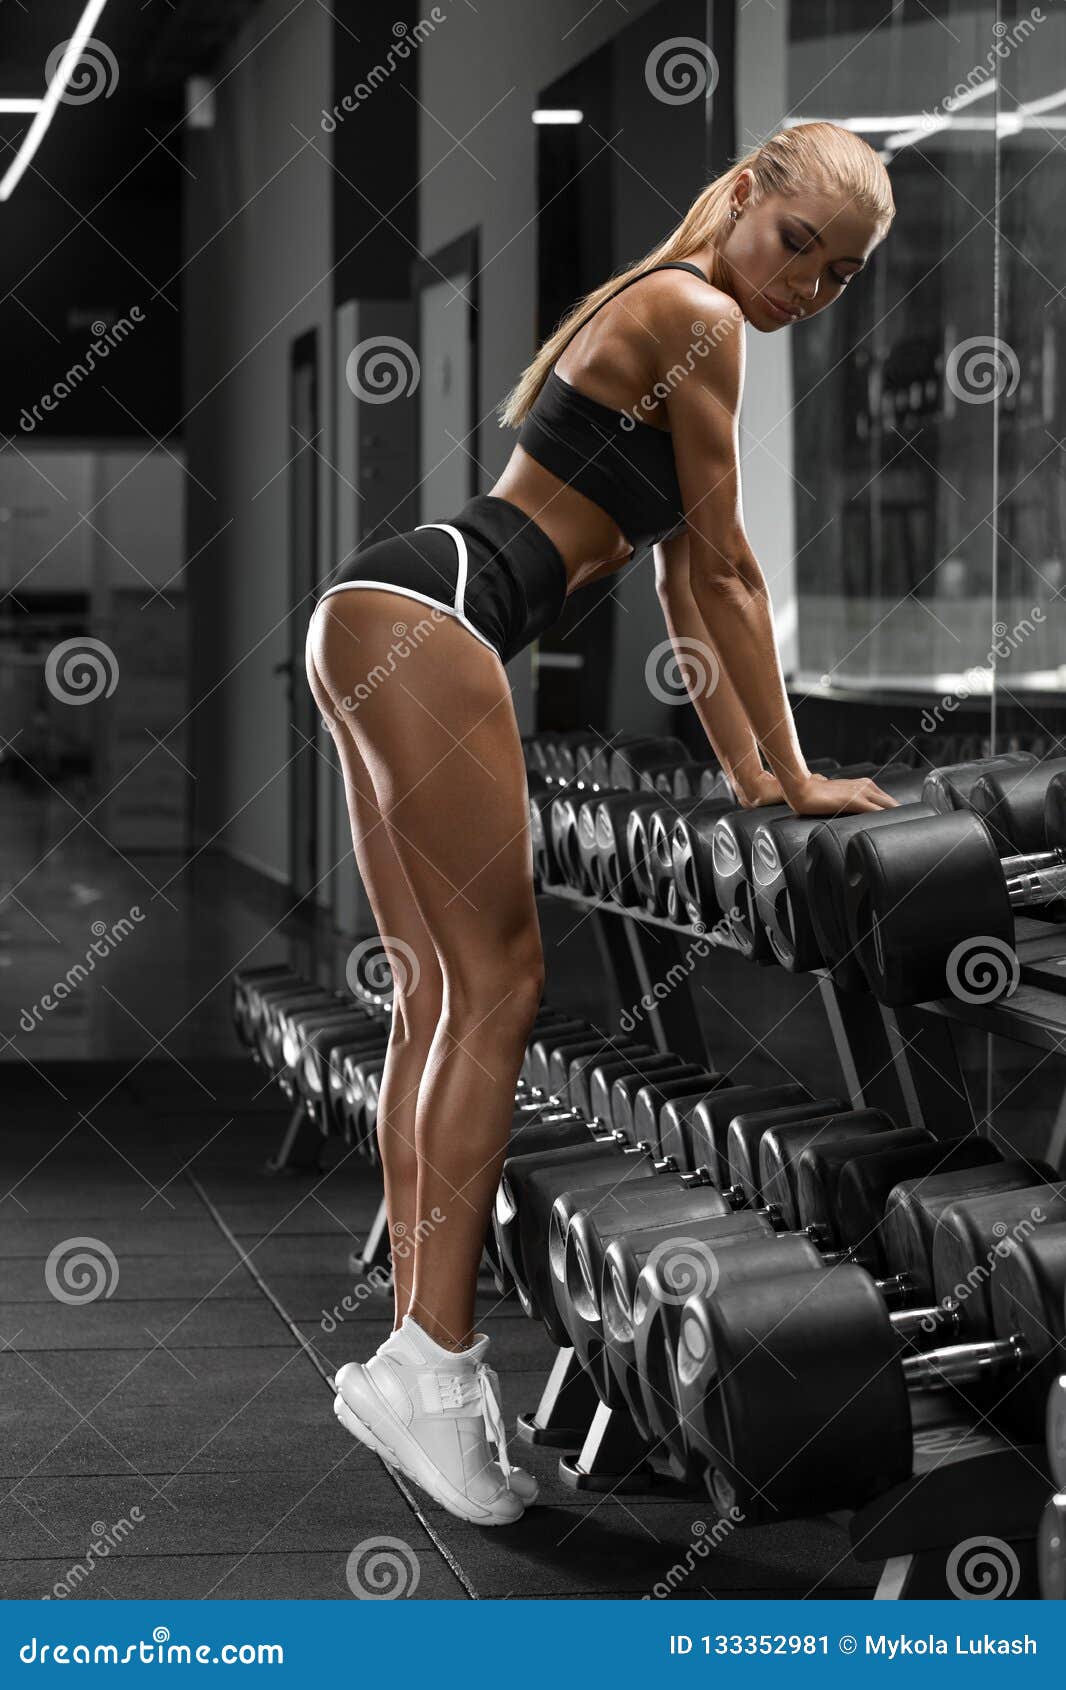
432,1413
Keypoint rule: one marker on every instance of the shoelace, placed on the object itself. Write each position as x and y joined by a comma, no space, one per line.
483,1385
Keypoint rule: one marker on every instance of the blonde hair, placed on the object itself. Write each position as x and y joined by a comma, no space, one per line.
806,157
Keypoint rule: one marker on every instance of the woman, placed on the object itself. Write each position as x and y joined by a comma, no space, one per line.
628,437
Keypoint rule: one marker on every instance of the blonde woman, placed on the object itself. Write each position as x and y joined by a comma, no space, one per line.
627,421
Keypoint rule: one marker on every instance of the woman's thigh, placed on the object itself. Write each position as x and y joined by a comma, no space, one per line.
434,726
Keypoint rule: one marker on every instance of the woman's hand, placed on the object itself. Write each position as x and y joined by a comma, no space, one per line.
817,796
763,788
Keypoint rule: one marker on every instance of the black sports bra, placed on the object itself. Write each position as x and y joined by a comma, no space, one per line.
623,465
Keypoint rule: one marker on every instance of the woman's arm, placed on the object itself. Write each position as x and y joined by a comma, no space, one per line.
712,693
726,581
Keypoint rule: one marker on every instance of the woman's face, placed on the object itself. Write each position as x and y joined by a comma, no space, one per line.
789,258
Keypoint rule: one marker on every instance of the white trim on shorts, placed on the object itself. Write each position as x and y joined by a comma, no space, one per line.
457,609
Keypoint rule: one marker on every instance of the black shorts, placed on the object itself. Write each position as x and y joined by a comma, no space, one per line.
490,567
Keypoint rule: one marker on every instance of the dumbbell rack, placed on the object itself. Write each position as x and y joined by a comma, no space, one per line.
902,1060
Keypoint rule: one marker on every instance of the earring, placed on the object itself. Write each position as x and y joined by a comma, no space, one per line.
733,214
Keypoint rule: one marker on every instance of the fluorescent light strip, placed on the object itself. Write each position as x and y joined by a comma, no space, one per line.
9,105
56,89
560,114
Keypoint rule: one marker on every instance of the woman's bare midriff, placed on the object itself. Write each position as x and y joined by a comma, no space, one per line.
589,543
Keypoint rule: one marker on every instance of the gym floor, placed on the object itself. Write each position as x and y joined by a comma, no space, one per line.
184,1416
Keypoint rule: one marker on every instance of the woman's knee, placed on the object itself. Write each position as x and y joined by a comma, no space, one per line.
505,989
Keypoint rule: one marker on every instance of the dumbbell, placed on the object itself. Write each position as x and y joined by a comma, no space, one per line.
603,843
271,1031
931,906
783,896
530,1185
907,1258
585,1223
821,928
692,850
242,985
318,1055
841,1433
632,764
811,1147
555,1137
732,842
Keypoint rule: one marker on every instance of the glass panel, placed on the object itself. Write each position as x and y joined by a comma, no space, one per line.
893,419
